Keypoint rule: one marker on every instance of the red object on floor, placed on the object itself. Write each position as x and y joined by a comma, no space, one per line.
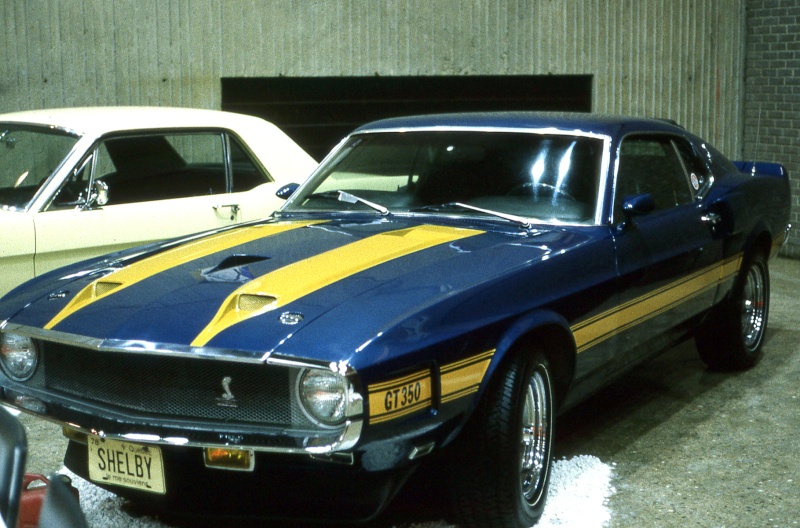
34,489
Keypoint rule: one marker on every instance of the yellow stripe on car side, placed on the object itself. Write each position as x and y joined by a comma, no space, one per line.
464,377
413,393
601,327
396,398
400,397
146,268
287,284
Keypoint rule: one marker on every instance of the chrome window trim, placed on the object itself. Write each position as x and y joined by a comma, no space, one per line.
232,136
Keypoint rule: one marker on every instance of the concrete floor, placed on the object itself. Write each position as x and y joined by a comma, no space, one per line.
697,448
690,447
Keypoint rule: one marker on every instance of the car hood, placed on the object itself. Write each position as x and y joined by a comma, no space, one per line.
317,289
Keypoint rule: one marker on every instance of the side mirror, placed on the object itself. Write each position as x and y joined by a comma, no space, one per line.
99,194
638,205
287,190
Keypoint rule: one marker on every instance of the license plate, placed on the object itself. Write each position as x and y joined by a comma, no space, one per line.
126,464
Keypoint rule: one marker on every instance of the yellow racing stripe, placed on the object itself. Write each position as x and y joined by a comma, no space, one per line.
464,377
287,284
413,393
400,397
199,248
597,329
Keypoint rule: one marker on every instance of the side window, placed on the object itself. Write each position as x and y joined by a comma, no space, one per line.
161,166
74,190
143,168
651,165
104,165
28,156
245,174
699,175
720,165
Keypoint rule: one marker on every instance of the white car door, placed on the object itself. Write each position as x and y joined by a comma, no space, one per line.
17,245
69,236
158,186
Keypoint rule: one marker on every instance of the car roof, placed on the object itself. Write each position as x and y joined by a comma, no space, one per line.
599,124
103,119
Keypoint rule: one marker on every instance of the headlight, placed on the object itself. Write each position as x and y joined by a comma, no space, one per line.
18,356
323,395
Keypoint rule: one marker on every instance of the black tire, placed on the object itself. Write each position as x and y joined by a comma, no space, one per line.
731,339
501,471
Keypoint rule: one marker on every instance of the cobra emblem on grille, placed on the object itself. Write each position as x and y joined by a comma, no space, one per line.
227,399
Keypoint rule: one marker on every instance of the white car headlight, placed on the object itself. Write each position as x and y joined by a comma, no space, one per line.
18,356
324,396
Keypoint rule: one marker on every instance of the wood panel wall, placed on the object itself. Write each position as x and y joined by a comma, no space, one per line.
681,59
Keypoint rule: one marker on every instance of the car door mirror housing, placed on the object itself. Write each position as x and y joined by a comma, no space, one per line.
287,190
638,205
99,194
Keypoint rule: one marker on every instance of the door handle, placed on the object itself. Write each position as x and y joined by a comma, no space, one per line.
233,207
712,219
714,222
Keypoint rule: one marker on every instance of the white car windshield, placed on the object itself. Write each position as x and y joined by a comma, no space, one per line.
546,177
28,156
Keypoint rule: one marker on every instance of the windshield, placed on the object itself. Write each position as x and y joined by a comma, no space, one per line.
546,177
28,156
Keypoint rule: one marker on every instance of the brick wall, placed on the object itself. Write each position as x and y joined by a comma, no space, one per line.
772,94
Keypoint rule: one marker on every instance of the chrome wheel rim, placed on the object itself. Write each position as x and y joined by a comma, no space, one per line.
754,307
535,437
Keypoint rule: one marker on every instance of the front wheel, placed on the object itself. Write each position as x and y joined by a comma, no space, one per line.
500,475
732,337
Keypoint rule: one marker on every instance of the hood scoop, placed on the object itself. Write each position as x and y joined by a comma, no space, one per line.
232,269
235,261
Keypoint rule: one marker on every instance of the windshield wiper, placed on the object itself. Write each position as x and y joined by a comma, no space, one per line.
342,196
352,198
524,222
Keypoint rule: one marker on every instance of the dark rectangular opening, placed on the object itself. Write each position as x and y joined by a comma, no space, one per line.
318,111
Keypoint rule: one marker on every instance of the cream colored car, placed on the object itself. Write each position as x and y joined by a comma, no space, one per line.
80,182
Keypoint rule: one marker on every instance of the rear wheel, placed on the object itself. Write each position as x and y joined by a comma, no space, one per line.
732,338
500,475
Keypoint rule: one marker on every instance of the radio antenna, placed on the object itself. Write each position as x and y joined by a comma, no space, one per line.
758,140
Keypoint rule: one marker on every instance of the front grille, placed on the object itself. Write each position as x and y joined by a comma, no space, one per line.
174,387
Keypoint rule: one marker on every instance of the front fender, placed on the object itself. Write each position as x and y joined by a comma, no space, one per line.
544,330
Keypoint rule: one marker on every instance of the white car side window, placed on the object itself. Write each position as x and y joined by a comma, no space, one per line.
104,165
162,166
150,167
28,156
